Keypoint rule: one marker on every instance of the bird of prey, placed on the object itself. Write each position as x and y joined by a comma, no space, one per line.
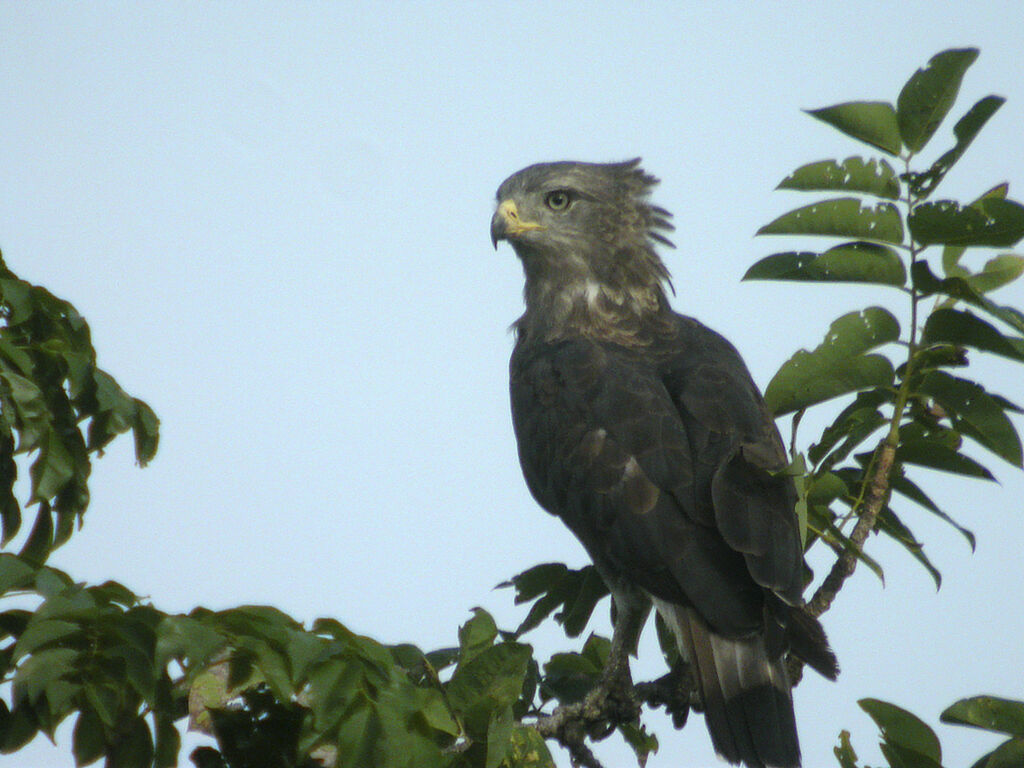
644,432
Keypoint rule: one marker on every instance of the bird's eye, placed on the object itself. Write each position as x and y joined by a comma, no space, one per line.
558,200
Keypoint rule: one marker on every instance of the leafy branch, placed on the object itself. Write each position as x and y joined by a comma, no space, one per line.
929,409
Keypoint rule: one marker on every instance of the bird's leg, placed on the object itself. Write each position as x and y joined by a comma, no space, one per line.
614,694
630,617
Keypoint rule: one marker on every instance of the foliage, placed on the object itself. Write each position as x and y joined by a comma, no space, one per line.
49,386
909,742
277,694
910,395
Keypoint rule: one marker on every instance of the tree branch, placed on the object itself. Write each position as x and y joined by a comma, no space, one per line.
612,703
874,501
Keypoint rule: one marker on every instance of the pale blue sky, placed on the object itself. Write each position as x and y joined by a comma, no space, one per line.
274,217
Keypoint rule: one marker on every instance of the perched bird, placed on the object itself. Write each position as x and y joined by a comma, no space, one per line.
644,432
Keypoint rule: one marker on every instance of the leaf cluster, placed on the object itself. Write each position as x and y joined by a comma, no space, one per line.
57,407
909,742
911,398
272,692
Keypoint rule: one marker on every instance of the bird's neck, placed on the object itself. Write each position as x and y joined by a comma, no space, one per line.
557,309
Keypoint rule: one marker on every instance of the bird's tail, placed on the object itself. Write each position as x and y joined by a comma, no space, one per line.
748,706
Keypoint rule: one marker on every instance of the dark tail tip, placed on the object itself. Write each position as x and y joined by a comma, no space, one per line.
762,729
807,640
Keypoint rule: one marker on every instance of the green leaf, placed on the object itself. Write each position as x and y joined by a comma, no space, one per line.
989,712
477,634
577,590
929,94
359,734
146,428
579,605
856,262
844,751
797,469
168,743
568,677
951,254
88,741
53,468
37,546
873,122
825,488
903,729
14,572
852,426
642,742
906,487
891,525
535,581
33,415
971,405
838,365
997,272
842,217
19,729
923,184
875,177
529,749
926,453
958,288
491,680
499,737
954,326
40,634
1009,754
991,222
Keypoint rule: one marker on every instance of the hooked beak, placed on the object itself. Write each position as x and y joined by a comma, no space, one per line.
506,223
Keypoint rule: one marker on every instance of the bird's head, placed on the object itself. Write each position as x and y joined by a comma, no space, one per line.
567,216
584,230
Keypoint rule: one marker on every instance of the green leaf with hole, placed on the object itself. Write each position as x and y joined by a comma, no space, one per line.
992,222
838,365
874,177
951,254
873,122
989,712
928,95
843,217
923,184
977,415
856,262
